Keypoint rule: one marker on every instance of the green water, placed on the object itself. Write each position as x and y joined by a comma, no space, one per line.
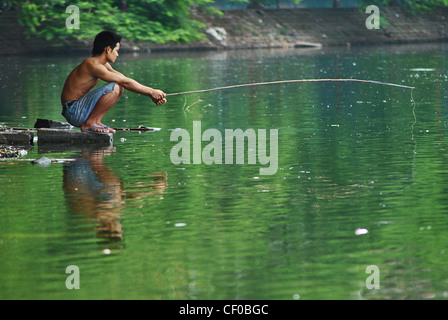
137,226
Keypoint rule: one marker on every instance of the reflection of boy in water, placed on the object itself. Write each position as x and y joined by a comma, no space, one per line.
94,190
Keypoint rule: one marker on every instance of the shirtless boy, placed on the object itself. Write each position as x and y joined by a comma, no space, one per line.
84,108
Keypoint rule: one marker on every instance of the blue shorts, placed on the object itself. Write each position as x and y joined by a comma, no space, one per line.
77,111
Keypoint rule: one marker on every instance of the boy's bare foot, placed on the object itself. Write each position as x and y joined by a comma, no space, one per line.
109,129
96,127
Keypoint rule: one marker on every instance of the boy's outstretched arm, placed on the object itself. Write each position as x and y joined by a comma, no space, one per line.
108,74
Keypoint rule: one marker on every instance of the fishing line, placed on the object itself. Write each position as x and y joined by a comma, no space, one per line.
185,108
413,113
412,136
289,81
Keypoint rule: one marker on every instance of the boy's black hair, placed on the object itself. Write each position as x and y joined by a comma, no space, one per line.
104,39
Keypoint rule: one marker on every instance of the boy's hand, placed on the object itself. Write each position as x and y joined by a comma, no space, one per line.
158,97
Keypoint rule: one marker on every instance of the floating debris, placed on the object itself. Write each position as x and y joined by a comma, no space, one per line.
361,231
11,152
43,162
180,224
422,69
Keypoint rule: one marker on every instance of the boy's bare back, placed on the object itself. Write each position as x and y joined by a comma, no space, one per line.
79,82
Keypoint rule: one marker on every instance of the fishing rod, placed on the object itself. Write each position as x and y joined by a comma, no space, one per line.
144,128
290,81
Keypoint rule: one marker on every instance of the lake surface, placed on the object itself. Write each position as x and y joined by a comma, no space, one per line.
361,181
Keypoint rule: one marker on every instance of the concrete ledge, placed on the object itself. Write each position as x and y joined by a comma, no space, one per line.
16,138
45,135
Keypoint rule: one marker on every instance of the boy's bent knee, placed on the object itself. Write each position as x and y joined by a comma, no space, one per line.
118,89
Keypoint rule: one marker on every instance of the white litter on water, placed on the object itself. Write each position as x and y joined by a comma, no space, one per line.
422,69
180,224
361,231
